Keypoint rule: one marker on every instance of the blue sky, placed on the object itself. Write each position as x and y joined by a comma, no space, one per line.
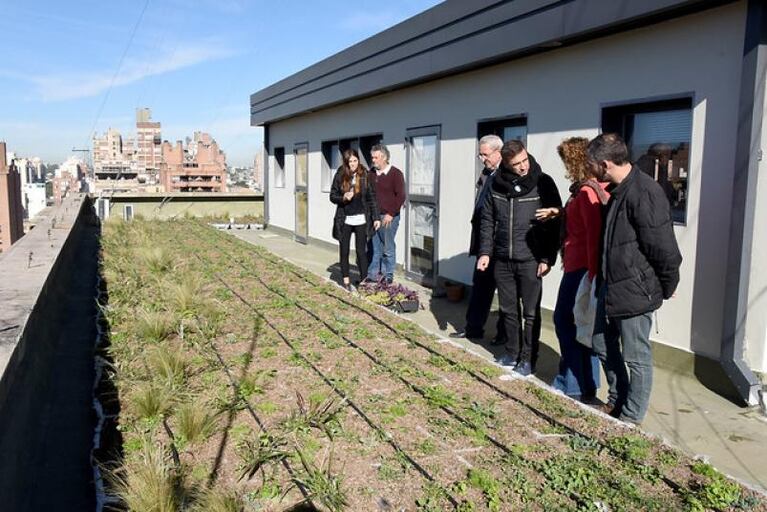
193,62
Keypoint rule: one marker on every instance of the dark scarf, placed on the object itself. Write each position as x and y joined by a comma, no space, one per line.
510,184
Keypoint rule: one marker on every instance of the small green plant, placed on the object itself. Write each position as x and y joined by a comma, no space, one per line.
256,452
193,423
437,396
715,492
329,340
490,487
432,499
633,448
321,413
323,486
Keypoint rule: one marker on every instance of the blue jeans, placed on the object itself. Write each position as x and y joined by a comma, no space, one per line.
610,356
578,366
634,334
384,257
626,343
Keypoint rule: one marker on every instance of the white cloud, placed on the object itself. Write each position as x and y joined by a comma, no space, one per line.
73,85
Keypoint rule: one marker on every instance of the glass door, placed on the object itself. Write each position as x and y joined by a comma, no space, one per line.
422,177
301,162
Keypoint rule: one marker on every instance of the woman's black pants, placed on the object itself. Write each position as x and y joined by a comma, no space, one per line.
360,246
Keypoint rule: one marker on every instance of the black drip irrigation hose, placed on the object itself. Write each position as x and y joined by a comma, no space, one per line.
543,415
418,390
259,422
379,430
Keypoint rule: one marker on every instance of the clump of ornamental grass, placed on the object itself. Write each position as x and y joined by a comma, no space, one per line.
185,295
219,500
150,401
168,365
153,326
193,423
148,482
156,259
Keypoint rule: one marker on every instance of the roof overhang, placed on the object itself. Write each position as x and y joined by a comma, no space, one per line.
453,37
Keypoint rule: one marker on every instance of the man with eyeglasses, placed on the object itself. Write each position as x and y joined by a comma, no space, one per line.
524,249
483,283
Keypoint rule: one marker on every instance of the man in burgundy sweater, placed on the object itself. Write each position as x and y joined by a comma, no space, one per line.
390,191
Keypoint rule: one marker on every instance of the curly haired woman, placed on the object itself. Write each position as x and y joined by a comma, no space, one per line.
578,375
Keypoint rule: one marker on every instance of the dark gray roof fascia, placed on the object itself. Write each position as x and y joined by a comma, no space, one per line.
452,37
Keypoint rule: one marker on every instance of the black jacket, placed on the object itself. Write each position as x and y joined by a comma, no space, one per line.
508,229
483,189
369,202
641,259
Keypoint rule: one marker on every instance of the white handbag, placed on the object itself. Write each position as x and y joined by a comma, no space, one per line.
585,310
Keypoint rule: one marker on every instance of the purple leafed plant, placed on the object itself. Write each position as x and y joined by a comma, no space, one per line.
386,293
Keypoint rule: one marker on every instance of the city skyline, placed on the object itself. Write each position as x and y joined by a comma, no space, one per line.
75,70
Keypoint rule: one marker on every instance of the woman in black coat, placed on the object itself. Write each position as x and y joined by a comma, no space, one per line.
356,212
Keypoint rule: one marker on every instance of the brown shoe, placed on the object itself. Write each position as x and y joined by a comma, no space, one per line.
608,409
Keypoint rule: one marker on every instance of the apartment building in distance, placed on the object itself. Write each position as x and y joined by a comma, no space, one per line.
68,178
148,145
198,167
11,210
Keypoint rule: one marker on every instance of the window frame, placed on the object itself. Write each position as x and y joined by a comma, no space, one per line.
614,119
279,167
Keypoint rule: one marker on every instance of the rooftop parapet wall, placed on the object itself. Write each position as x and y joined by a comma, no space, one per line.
47,337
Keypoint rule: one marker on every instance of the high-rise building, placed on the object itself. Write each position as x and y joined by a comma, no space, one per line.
11,210
200,167
148,145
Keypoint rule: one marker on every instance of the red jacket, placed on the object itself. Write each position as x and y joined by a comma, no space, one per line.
583,222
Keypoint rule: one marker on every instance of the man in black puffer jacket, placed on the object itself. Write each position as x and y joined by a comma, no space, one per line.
524,249
640,268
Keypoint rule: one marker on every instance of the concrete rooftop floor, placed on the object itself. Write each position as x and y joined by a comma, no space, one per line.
683,411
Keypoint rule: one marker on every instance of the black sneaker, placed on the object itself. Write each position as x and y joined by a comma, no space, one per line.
464,334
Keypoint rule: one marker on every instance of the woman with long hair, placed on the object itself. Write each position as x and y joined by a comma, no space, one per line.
356,212
578,375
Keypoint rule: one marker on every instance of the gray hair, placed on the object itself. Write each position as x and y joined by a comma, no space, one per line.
493,141
381,148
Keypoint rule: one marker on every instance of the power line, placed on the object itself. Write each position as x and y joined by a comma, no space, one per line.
117,71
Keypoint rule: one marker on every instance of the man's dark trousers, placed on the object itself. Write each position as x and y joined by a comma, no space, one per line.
518,280
480,302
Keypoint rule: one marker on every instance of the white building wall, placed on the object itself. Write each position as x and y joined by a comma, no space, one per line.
34,199
756,322
562,93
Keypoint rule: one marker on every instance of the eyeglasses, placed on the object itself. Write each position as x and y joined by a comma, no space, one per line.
482,157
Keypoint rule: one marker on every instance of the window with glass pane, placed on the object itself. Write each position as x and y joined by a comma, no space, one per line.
279,167
508,128
423,165
658,136
331,162
421,239
302,165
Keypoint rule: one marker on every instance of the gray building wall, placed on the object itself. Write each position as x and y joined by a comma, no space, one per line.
562,92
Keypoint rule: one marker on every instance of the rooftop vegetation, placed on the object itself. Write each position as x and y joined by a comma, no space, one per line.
246,383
